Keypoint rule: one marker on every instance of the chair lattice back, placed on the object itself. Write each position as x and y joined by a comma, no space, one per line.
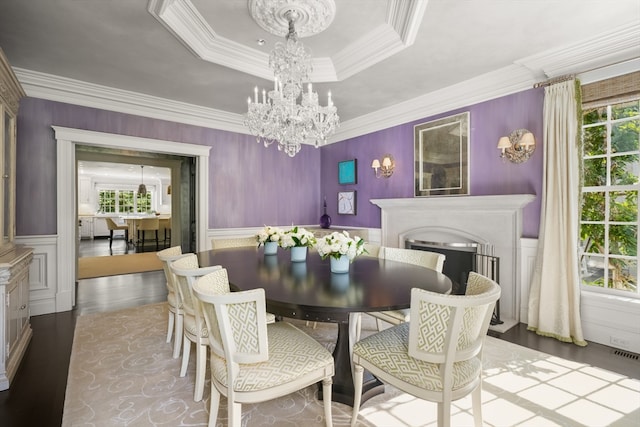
432,260
451,328
183,265
167,256
238,317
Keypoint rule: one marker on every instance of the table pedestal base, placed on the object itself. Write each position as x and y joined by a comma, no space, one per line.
343,389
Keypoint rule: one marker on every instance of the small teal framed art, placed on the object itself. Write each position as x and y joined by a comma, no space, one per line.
348,172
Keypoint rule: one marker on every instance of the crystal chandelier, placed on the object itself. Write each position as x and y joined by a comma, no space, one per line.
288,114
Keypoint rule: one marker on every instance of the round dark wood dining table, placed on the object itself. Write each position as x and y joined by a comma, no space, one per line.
309,291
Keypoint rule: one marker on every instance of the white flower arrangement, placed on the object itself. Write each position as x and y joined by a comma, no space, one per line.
297,236
269,234
337,244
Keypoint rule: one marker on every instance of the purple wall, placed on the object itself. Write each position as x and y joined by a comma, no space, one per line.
489,175
249,185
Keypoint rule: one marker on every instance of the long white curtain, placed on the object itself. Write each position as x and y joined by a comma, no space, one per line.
554,300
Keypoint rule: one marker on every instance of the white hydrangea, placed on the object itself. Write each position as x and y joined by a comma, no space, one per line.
269,234
297,236
340,243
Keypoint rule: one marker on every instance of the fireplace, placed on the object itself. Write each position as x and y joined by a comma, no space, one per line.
489,225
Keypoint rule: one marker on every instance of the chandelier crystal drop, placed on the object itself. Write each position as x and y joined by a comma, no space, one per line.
289,114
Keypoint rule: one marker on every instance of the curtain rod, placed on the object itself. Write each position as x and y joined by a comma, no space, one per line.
554,80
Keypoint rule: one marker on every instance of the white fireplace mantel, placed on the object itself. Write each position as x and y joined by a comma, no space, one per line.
489,203
489,220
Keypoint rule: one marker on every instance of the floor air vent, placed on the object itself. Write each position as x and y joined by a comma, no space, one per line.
626,354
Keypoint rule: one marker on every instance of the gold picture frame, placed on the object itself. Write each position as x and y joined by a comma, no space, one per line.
441,156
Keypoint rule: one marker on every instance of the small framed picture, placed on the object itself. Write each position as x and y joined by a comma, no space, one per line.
347,172
347,202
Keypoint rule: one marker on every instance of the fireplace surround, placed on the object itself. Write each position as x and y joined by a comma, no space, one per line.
488,221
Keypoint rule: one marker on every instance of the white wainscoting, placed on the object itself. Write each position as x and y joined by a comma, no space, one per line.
529,248
606,319
42,273
230,233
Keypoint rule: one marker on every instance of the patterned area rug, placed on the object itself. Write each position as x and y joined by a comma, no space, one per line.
122,374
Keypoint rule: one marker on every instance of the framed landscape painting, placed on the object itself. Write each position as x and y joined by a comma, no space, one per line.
441,156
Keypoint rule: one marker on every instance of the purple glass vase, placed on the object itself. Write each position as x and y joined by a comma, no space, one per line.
325,220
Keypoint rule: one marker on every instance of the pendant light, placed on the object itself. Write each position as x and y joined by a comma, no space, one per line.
142,189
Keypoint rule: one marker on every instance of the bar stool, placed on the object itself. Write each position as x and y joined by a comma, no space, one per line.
148,224
113,226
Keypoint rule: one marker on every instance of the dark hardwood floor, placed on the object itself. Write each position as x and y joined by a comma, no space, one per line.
36,396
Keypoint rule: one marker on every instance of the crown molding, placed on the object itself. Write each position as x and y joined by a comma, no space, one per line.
182,19
505,81
62,89
617,45
405,17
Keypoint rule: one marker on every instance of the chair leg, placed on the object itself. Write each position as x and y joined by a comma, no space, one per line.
215,405
157,247
326,397
170,325
444,414
201,368
379,324
178,336
110,238
235,414
186,351
476,405
358,374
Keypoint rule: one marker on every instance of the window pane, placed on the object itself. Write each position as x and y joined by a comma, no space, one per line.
107,201
623,240
593,206
595,115
624,136
623,206
595,140
595,172
125,199
625,109
143,202
593,236
624,170
593,271
625,274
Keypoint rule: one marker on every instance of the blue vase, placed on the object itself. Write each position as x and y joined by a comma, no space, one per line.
340,265
298,253
270,248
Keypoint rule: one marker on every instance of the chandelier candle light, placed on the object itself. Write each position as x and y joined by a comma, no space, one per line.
288,114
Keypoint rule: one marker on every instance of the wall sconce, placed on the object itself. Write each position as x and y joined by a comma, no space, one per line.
518,146
387,167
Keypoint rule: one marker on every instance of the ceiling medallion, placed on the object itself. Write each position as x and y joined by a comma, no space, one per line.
312,16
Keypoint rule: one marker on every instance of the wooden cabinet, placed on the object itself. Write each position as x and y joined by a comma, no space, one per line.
15,328
100,228
10,94
86,227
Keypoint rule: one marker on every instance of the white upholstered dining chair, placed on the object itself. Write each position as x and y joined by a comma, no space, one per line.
186,271
252,361
174,324
438,355
432,260
236,242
